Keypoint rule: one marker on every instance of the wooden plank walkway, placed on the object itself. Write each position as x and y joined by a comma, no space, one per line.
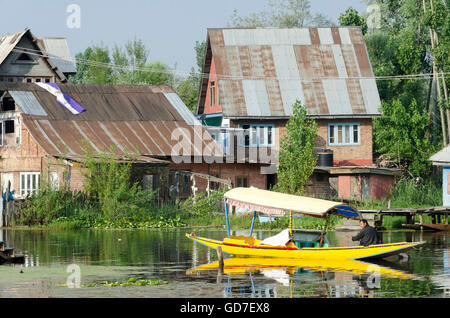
436,214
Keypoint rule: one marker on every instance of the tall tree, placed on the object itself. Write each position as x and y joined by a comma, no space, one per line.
400,132
351,17
125,65
283,14
93,66
296,157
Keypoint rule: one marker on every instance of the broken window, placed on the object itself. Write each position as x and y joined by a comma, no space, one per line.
8,104
9,134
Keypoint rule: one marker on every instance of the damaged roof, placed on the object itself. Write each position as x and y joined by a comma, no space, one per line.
136,120
261,72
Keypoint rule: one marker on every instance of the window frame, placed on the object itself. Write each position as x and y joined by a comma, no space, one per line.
212,93
24,192
251,135
242,178
344,134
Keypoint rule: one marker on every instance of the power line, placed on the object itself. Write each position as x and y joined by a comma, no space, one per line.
220,76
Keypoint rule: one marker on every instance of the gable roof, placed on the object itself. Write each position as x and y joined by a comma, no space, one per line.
9,42
132,118
442,157
263,71
59,52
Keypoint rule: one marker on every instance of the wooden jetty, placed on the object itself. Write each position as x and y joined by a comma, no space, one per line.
7,255
439,217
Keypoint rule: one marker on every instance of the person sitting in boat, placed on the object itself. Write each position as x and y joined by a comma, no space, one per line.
368,235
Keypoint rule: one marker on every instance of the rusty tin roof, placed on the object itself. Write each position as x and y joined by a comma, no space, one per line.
136,120
261,72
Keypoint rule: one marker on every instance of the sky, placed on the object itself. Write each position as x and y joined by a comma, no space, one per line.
168,28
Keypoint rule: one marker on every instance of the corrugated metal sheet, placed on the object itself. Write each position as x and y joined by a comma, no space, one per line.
58,50
28,103
184,112
134,119
256,98
7,43
326,68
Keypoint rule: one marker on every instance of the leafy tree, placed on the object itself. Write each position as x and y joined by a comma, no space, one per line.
92,66
283,14
352,18
400,133
127,65
296,157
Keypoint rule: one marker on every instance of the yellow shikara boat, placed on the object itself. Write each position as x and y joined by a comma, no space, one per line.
291,243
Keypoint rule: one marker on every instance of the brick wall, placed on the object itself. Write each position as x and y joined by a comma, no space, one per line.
26,157
358,155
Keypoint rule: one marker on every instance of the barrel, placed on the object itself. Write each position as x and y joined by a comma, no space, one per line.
325,158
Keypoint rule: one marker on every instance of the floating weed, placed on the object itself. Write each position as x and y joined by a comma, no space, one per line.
129,282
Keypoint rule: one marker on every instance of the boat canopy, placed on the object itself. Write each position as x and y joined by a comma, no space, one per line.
276,203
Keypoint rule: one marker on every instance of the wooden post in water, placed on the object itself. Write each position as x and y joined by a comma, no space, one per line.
7,205
220,257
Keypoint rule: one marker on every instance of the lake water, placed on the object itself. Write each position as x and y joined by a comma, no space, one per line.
167,255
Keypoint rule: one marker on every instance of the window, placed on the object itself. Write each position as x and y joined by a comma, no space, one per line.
54,180
212,94
343,134
214,185
242,182
24,57
257,135
7,133
8,104
29,183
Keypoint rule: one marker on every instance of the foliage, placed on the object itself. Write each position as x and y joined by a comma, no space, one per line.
283,14
108,184
296,157
400,133
49,204
90,66
203,203
352,18
127,65
130,222
134,281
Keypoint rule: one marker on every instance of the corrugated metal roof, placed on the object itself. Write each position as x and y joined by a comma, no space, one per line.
28,103
263,71
135,119
58,51
8,42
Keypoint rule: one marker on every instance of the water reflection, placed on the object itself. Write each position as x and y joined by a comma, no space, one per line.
192,271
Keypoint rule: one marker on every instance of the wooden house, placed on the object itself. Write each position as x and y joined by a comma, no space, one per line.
24,58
